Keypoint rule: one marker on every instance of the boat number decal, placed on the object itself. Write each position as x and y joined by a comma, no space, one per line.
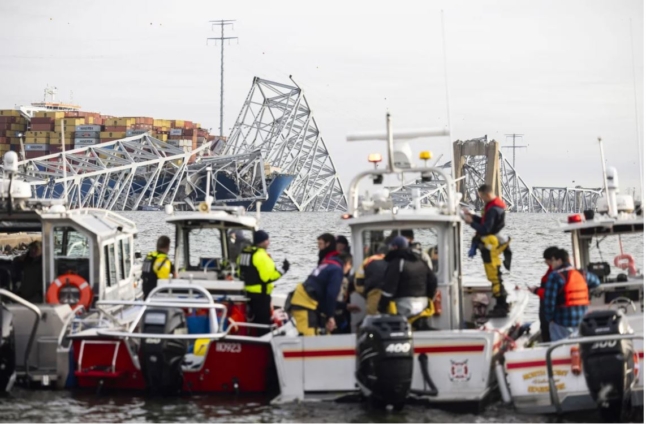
398,348
602,345
228,347
460,371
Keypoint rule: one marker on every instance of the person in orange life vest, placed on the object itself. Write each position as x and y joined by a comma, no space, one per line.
327,246
540,292
566,296
488,226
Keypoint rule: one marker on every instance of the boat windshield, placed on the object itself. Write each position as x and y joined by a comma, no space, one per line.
619,252
214,248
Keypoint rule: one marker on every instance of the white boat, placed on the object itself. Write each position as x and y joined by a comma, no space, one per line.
87,256
565,376
455,363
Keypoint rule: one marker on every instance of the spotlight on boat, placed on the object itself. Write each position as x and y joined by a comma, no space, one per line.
375,158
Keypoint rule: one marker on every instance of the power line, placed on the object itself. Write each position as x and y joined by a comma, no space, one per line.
222,23
513,146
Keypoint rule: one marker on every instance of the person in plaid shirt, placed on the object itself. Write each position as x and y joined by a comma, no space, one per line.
566,296
540,292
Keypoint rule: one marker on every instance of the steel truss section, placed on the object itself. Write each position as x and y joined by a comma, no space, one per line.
567,200
276,119
124,174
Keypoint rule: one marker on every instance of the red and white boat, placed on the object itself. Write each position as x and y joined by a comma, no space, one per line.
602,366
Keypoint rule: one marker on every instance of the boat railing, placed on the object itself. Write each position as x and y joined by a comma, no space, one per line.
34,329
68,322
106,213
554,396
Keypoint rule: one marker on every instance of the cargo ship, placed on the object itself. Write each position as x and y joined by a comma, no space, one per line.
44,129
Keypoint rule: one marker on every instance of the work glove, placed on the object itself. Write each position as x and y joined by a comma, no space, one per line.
285,266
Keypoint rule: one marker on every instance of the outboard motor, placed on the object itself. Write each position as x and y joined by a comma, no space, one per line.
609,366
7,351
161,359
385,359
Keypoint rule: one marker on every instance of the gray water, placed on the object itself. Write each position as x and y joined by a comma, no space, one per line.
293,236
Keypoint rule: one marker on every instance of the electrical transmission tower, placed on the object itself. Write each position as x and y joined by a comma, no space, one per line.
514,147
222,23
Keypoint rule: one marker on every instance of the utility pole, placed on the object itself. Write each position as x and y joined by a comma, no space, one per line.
222,23
513,146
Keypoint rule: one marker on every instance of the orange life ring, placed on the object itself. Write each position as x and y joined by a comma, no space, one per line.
86,295
625,261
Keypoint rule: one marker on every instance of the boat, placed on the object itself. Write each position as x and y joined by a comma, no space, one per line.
382,360
191,334
87,256
602,366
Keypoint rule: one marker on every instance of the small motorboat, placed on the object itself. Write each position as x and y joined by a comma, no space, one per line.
191,334
382,359
86,255
601,367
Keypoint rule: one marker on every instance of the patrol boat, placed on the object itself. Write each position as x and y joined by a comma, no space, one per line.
601,367
382,359
87,256
191,334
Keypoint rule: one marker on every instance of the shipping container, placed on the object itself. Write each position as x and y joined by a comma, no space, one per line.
176,131
112,128
9,112
42,127
161,137
55,115
7,119
59,148
82,142
131,133
96,128
42,121
113,135
37,147
87,134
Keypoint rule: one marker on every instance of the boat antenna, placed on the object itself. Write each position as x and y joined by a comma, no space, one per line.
638,138
605,177
64,161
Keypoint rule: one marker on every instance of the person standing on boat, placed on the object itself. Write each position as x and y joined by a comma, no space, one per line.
327,246
566,296
370,279
540,292
491,244
313,302
342,244
157,265
258,271
409,285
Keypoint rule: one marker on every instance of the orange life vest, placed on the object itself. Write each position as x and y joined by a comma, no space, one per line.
575,289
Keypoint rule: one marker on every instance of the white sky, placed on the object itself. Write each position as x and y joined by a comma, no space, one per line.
559,72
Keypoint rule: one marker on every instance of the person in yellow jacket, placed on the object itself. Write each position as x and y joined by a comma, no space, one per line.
157,266
258,271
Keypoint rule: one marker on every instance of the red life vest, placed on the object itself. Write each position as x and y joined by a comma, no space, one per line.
540,292
575,290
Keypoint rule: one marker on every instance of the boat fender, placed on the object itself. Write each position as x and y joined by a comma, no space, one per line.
437,303
423,362
626,262
502,383
85,291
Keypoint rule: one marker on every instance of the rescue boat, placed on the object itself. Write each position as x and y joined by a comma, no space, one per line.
601,366
382,359
191,334
87,256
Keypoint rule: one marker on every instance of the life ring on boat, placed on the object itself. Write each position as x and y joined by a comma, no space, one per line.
626,261
85,291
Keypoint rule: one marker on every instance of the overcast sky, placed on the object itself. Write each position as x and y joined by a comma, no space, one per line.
559,72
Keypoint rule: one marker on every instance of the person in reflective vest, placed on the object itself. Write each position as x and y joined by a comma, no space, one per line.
540,292
566,296
312,304
157,265
258,271
491,244
409,286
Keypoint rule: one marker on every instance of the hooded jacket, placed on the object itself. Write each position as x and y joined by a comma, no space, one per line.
413,278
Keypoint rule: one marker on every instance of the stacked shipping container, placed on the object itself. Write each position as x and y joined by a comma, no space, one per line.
44,134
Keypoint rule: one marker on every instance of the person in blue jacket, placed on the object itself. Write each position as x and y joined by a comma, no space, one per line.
313,302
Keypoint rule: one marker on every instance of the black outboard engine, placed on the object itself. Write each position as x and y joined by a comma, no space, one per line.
385,359
161,359
7,351
609,366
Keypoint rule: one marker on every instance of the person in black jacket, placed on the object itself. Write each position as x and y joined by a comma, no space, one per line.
370,279
409,285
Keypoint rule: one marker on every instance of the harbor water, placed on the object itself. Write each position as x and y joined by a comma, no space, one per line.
293,237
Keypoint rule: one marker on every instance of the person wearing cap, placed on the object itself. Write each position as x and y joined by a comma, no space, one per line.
409,285
258,271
